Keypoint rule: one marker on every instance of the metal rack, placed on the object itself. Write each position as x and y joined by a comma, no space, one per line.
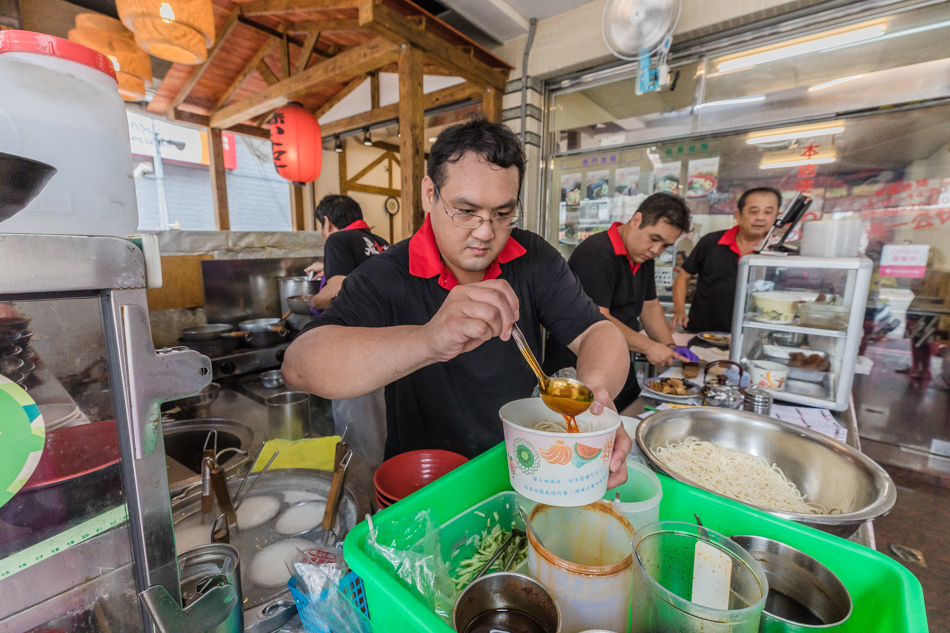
847,279
89,293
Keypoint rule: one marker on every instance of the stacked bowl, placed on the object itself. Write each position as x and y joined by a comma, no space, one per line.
400,476
831,238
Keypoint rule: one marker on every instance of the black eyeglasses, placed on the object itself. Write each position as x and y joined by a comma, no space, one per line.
471,220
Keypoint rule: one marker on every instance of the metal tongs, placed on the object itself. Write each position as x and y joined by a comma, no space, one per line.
514,541
336,492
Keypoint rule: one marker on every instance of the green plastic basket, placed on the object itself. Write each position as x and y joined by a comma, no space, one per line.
886,596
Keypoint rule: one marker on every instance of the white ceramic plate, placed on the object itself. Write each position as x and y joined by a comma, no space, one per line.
666,396
724,345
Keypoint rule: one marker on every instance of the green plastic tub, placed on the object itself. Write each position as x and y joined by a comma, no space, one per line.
887,597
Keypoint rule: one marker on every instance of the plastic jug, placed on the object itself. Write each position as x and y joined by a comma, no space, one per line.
59,105
585,559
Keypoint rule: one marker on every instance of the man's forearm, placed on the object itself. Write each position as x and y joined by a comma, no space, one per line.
321,300
602,358
654,322
331,361
679,291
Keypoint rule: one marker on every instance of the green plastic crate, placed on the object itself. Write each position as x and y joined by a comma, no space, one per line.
886,596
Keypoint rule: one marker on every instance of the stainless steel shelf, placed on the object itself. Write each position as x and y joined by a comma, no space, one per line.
781,327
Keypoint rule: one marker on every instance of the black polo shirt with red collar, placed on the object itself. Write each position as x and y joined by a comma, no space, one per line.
349,247
716,260
454,405
612,281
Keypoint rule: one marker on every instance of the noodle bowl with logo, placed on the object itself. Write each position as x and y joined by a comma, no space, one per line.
549,465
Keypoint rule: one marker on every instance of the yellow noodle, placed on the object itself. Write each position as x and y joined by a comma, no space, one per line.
736,474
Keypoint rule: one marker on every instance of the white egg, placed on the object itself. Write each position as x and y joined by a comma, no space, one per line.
268,568
255,511
187,538
296,496
301,518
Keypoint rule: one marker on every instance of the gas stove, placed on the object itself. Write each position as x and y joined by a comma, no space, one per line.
241,361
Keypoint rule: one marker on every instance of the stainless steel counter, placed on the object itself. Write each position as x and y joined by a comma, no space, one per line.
232,405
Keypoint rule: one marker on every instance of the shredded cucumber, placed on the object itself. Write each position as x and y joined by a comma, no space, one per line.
487,544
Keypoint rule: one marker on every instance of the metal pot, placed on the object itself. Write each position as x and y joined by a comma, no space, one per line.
199,405
295,286
722,394
272,379
507,590
209,332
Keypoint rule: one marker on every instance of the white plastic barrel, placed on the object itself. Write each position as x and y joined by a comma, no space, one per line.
59,105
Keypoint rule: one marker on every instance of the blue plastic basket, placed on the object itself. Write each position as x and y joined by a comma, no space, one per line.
316,618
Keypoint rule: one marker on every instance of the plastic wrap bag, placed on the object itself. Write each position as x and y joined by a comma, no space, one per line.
323,607
410,547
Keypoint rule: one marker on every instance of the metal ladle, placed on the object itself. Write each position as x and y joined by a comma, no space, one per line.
566,396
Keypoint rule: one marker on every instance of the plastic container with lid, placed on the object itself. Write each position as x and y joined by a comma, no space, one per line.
59,105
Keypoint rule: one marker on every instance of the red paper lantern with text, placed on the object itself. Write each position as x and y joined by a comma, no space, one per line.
296,144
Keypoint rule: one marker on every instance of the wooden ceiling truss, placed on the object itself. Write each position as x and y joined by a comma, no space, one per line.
316,52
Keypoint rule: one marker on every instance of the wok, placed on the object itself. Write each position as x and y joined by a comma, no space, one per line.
260,332
209,332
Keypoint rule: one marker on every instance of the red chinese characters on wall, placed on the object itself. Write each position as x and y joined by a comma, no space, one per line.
296,144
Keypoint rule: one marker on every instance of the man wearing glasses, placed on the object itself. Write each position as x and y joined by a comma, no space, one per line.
431,318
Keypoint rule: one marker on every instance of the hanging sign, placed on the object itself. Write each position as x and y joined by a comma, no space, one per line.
904,260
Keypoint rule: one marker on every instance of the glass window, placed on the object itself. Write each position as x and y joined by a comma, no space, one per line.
258,198
892,170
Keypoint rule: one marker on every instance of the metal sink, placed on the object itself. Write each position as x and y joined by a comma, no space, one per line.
185,440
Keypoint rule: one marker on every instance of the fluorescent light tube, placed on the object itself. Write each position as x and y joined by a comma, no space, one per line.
796,163
789,136
736,101
811,46
833,83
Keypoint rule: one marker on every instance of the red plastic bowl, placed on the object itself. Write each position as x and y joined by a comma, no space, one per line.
403,474
74,451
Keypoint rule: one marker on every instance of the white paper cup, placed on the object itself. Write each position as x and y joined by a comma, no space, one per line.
559,469
769,375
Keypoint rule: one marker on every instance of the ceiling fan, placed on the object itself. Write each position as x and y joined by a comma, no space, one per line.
638,30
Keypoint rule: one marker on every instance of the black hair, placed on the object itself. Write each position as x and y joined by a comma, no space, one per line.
772,190
665,206
492,141
342,211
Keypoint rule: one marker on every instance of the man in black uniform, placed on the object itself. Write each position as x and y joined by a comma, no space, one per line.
716,259
615,267
431,318
348,242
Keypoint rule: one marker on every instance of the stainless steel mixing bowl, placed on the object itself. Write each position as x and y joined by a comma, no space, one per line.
825,471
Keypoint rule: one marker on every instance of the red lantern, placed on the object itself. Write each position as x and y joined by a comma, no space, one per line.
296,144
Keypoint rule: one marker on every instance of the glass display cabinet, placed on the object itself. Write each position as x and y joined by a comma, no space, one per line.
803,319
85,514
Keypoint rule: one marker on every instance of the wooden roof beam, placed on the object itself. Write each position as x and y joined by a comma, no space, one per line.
452,94
339,96
277,7
181,116
324,26
250,67
198,72
307,51
358,60
400,29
